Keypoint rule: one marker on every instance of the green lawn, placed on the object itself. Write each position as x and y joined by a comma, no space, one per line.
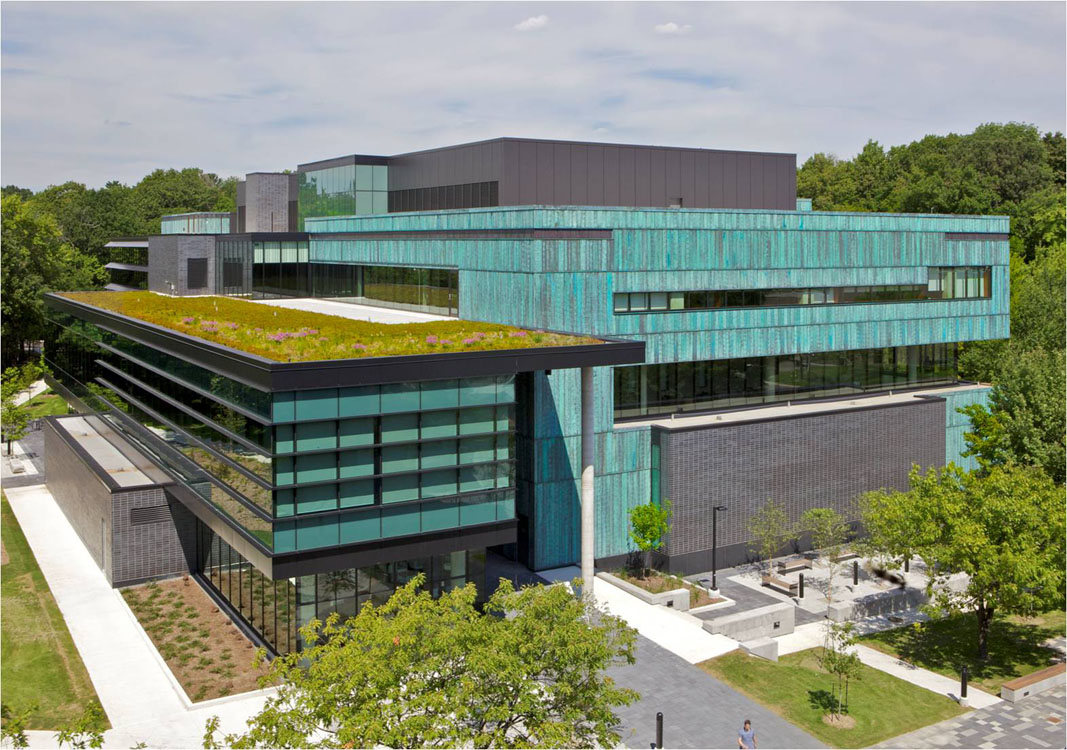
943,645
40,664
45,405
798,690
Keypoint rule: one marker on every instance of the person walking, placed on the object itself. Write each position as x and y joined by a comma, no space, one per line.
746,737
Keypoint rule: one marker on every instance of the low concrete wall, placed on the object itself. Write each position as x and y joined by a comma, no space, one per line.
1049,678
765,648
676,598
755,623
883,603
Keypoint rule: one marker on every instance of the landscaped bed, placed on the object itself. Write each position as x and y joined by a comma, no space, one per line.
287,335
798,689
205,651
40,665
943,645
657,582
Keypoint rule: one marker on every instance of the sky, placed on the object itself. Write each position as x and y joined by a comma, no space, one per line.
94,92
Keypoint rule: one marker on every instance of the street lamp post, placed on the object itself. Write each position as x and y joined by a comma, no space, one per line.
715,546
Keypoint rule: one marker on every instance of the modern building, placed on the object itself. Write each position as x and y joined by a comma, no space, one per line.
789,355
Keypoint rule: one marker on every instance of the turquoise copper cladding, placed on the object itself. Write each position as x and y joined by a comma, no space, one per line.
538,277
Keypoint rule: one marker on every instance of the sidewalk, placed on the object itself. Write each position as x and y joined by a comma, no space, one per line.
130,679
36,389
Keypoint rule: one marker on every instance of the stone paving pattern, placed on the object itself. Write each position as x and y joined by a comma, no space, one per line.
1034,722
698,710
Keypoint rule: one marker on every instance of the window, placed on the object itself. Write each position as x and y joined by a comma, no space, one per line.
196,273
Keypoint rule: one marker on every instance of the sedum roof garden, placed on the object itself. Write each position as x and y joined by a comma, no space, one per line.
286,335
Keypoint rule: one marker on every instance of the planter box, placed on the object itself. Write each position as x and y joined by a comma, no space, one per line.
675,598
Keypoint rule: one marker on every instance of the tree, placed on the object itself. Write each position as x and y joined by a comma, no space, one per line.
425,672
35,260
770,529
1025,422
829,531
85,731
648,524
14,422
1003,528
840,661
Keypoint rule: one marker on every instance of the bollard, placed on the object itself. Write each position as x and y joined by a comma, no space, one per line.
659,729
963,682
855,572
800,591
907,564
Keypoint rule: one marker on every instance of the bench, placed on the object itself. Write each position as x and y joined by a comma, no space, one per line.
794,566
792,589
17,467
1032,684
846,555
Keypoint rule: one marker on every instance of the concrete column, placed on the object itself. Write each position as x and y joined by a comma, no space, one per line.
588,509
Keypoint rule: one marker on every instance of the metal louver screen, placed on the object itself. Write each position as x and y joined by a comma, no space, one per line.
151,514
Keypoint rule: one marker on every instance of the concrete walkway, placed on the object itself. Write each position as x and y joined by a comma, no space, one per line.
812,636
923,677
36,389
136,690
678,632
698,710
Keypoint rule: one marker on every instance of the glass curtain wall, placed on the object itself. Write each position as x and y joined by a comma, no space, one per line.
347,190
280,269
429,290
647,390
278,609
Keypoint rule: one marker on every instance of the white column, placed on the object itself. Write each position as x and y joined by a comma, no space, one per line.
588,508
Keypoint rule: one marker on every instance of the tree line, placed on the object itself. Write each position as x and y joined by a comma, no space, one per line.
53,240
1011,170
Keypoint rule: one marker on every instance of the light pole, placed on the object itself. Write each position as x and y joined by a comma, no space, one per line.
715,545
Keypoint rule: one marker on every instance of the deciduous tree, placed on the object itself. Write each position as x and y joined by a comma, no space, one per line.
1004,529
424,672
648,525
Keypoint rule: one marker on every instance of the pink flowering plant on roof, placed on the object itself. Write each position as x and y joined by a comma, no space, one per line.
282,334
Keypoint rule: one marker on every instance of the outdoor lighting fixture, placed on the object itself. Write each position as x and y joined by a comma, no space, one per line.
715,543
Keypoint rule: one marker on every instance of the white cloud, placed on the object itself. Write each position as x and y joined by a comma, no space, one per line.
533,23
824,85
672,28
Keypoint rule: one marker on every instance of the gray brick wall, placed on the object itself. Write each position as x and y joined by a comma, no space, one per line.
823,460
168,257
126,552
82,497
267,202
148,550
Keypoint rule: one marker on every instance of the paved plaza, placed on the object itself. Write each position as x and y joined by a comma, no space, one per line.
1034,722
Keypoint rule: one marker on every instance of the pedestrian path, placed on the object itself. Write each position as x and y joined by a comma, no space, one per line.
36,389
698,710
923,677
1034,722
135,688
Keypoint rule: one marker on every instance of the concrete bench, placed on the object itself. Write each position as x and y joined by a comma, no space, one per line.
794,566
1032,684
846,555
17,467
792,589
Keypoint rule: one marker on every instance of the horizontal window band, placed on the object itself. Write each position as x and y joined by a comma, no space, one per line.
373,415
368,446
458,497
395,474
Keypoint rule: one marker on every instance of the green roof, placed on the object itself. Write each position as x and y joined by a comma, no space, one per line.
287,335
